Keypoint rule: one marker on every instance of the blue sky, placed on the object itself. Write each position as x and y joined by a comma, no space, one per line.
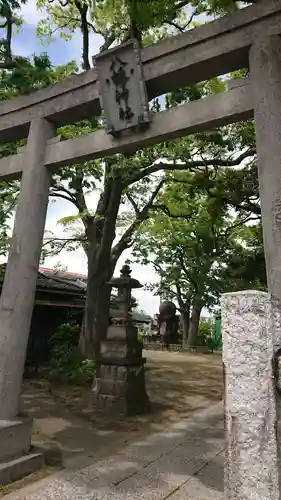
26,44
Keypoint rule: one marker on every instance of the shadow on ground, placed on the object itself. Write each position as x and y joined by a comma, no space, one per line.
184,461
178,385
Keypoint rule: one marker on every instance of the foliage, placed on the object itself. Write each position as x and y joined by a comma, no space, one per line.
206,333
8,200
245,269
203,236
60,268
138,180
31,75
9,17
194,242
118,20
67,364
140,338
24,77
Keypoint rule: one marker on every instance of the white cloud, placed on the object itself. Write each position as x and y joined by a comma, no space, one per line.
31,14
96,42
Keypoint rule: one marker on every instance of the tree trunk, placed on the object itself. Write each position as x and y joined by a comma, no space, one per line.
98,309
185,318
194,324
102,257
101,266
184,308
83,10
96,314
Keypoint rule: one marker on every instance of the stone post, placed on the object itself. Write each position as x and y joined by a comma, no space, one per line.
17,297
265,74
251,334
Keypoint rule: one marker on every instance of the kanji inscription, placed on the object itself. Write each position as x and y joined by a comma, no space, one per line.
122,88
120,79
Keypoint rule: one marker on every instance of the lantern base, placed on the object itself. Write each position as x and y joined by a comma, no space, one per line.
120,388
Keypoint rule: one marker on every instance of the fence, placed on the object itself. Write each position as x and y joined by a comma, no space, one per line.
157,346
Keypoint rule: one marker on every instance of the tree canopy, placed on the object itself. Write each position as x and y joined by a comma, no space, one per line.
184,198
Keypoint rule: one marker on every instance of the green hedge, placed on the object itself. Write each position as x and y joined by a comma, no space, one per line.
67,364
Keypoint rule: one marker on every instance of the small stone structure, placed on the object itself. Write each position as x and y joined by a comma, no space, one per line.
168,323
120,386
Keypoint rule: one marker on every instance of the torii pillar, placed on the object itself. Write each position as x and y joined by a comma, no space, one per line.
251,320
17,302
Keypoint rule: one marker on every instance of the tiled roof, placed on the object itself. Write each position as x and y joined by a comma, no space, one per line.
55,282
52,280
142,318
72,283
64,274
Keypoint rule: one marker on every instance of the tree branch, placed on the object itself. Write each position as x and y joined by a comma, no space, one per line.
141,215
169,213
48,241
108,41
133,203
82,8
235,226
184,305
58,188
215,162
185,270
175,25
66,194
179,294
182,28
10,207
249,206
6,12
110,217
63,196
190,19
62,243
182,4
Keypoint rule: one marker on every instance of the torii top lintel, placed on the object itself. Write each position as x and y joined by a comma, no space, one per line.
214,49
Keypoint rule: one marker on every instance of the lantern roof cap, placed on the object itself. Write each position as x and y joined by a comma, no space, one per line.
125,280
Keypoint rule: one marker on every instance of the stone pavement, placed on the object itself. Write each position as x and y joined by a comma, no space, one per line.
184,462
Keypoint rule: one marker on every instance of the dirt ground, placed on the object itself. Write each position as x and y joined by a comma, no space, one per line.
66,425
177,384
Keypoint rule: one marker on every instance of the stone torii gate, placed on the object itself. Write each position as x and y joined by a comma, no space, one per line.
248,38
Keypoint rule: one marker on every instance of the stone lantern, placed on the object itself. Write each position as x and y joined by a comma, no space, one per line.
120,387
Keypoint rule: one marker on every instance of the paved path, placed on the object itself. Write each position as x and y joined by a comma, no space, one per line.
184,462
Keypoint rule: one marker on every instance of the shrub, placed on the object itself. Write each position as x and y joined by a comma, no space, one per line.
140,337
67,364
206,333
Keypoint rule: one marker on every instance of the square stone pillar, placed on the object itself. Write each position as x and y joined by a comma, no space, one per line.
251,335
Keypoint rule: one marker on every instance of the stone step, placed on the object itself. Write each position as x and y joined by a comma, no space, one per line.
20,467
15,438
